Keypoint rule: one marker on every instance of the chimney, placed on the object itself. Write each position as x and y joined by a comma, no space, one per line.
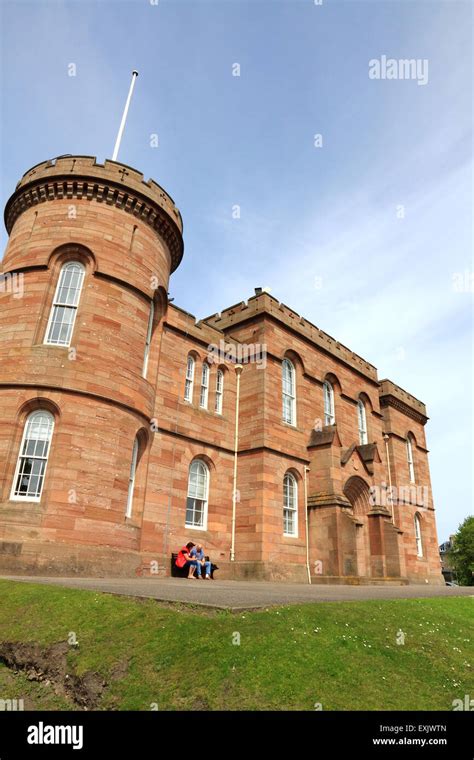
258,291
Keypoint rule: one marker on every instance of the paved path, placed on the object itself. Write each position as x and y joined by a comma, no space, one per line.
242,595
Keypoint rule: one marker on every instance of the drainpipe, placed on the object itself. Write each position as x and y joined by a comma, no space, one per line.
306,469
238,370
386,439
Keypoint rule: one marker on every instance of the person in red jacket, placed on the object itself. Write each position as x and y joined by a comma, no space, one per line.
184,559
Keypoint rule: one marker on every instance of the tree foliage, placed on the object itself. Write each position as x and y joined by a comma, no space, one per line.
461,554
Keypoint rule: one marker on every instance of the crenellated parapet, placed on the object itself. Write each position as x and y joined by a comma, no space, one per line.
394,396
265,303
110,183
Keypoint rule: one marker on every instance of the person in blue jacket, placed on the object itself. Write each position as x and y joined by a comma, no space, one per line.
197,553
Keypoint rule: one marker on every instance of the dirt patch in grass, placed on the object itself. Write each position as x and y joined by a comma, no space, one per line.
49,665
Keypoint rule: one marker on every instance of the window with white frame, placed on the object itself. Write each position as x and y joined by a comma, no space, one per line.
204,386
188,388
219,391
419,543
411,465
33,457
290,505
198,490
288,392
149,333
362,418
131,480
329,416
64,308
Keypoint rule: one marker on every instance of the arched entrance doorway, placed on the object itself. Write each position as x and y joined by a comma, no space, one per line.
357,491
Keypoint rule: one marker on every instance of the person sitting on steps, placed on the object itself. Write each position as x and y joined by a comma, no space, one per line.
197,553
184,559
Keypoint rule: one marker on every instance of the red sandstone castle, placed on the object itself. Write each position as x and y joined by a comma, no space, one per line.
127,428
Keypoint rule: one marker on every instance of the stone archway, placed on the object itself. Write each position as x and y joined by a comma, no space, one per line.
356,490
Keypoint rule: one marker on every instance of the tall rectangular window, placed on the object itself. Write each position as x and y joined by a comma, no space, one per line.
148,338
204,386
219,391
131,480
33,457
64,308
329,416
411,465
198,488
419,543
290,506
363,438
188,387
288,392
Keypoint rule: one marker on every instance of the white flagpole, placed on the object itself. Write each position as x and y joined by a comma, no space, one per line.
124,117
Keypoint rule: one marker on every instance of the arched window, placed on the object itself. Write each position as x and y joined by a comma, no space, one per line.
288,392
411,466
219,391
362,419
131,480
64,308
204,386
198,489
188,388
290,505
33,457
148,338
419,543
329,416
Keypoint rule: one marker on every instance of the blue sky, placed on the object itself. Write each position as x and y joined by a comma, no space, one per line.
362,236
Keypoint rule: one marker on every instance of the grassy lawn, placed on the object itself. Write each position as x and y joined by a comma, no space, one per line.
343,655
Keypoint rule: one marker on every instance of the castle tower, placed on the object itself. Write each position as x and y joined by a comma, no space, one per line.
82,297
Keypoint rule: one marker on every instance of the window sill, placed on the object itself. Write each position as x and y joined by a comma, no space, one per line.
53,345
25,500
203,410
292,426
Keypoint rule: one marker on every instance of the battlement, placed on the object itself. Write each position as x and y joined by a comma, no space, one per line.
113,171
390,394
264,303
198,329
111,183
